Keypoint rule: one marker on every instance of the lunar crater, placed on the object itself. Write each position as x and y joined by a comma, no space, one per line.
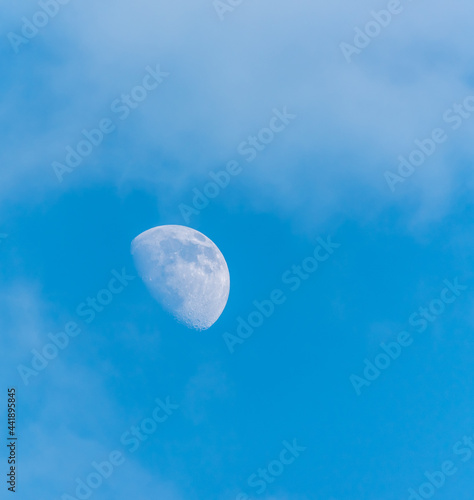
185,272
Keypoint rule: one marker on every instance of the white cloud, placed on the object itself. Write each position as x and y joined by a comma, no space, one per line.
353,119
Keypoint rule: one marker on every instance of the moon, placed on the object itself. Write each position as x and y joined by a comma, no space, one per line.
185,272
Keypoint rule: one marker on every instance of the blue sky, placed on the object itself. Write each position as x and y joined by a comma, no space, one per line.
322,176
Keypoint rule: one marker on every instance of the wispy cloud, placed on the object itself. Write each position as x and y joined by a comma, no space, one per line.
354,116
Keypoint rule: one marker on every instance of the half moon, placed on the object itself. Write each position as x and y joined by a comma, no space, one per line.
185,272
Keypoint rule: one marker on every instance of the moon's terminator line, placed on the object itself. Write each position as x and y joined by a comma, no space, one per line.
185,272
